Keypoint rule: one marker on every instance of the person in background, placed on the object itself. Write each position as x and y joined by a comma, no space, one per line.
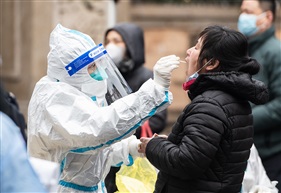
16,171
81,116
125,45
209,145
9,106
256,21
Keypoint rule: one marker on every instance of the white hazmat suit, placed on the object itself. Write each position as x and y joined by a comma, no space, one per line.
66,126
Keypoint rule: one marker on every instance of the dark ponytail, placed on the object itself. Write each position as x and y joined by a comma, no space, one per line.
229,47
250,66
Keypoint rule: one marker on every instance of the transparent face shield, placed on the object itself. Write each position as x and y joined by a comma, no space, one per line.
117,87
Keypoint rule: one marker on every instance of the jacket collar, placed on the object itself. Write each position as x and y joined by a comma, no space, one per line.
256,41
240,85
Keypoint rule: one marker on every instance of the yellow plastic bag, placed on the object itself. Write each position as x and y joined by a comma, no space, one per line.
138,178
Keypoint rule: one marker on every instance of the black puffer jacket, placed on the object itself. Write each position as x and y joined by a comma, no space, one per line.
210,143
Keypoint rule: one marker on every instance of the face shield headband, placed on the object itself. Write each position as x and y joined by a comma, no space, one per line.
85,59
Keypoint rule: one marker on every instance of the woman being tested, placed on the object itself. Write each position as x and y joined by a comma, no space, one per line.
208,148
77,116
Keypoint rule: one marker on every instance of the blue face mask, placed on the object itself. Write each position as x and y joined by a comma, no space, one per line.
193,76
247,24
96,75
191,79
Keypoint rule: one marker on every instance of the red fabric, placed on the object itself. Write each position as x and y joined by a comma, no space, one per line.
146,130
186,85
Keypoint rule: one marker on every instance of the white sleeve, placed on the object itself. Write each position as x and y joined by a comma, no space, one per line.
64,119
125,151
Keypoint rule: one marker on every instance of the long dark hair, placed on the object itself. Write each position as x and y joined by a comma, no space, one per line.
229,47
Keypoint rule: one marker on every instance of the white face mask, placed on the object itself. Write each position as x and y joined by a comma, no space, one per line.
115,52
96,90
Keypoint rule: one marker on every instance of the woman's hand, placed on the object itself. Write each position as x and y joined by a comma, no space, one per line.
145,141
143,144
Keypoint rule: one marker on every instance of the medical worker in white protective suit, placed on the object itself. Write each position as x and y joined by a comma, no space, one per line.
73,120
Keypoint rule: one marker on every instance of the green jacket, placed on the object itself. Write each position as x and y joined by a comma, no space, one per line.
266,49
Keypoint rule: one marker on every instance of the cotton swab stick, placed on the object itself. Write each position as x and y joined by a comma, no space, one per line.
182,61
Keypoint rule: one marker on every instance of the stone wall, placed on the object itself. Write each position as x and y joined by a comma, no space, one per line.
25,30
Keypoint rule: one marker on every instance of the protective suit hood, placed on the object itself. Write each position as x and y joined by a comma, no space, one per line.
133,37
65,46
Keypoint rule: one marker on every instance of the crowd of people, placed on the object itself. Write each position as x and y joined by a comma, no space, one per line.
99,108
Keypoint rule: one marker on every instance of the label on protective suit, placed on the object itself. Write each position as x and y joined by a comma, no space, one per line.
85,59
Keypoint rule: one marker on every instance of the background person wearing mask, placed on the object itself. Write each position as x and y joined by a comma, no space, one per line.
69,121
125,45
256,22
209,145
